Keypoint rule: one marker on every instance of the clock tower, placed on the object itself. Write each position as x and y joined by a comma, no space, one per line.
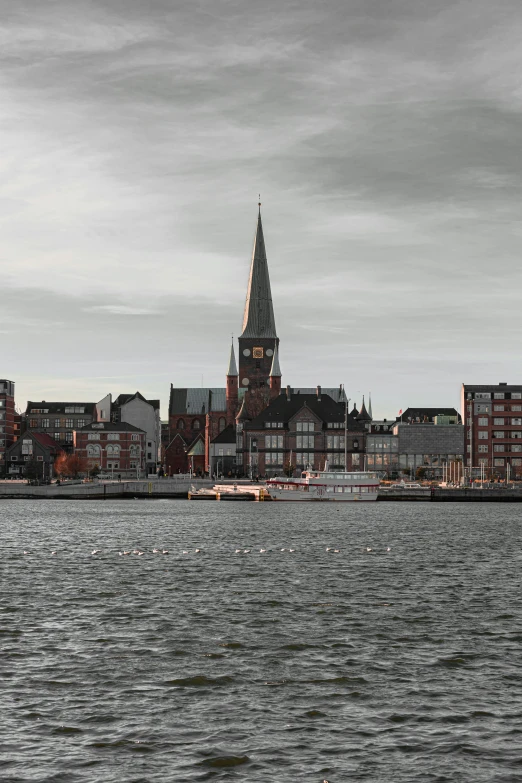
258,340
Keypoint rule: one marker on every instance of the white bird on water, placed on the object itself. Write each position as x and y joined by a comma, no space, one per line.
185,552
388,549
262,550
337,551
246,551
368,549
53,553
26,552
238,551
165,552
291,550
95,551
197,551
155,551
329,549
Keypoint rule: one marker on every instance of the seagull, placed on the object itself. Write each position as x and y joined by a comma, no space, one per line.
283,550
165,552
197,551
126,553
246,551
185,551
95,551
291,550
53,553
329,549
155,551
262,550
337,551
135,551
368,549
141,553
388,549
26,552
238,551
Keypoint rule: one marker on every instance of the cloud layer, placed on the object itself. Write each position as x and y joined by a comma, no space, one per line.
383,136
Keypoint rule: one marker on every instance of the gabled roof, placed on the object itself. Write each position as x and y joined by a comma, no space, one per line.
197,448
258,319
196,401
282,409
228,435
123,399
43,439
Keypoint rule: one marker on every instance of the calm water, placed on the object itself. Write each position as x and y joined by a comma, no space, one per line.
277,666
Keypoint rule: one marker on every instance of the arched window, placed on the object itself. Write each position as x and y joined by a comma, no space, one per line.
195,424
93,450
113,450
181,424
134,450
222,424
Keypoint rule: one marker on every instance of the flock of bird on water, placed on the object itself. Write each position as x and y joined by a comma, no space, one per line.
156,551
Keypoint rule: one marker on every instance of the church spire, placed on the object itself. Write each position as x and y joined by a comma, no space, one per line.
275,369
232,366
258,320
370,414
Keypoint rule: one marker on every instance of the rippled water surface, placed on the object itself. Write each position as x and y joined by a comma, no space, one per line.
400,665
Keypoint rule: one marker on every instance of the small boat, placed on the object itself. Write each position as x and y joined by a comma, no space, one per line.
326,485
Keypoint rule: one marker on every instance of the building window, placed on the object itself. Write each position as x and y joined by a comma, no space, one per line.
113,436
274,424
516,447
196,425
484,396
483,435
44,423
58,436
337,442
27,446
499,396
33,423
499,407
68,437
498,462
516,462
69,423
483,461
482,422
305,426
482,448
81,423
222,424
515,434
516,395
181,424
135,436
274,458
516,422
93,450
499,421
499,434
499,447
482,408
273,441
93,436
305,441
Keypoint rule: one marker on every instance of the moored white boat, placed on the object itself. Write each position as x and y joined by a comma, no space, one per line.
327,485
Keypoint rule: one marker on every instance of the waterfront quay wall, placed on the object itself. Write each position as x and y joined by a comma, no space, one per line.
166,488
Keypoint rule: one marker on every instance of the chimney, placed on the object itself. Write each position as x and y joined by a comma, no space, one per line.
288,394
319,394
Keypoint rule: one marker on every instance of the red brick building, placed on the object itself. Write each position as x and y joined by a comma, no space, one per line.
7,421
296,430
116,447
492,415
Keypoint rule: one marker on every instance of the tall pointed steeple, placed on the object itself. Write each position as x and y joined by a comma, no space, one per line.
232,366
258,319
370,414
275,370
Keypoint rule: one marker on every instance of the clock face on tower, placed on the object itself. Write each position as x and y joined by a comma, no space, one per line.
258,353
246,352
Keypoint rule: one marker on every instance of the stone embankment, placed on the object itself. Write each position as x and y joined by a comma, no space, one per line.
160,488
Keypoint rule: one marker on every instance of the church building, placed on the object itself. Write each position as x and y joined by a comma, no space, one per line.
198,417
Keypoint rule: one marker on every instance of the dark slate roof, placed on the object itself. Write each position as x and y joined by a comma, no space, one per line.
282,409
44,439
194,402
364,415
228,435
123,399
59,407
258,320
426,414
110,426
504,387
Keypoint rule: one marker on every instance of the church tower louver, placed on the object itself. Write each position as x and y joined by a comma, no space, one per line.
258,340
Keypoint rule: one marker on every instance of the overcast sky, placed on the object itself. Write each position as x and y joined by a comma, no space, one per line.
383,135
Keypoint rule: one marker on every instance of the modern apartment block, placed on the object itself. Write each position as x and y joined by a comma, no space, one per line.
7,420
493,418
